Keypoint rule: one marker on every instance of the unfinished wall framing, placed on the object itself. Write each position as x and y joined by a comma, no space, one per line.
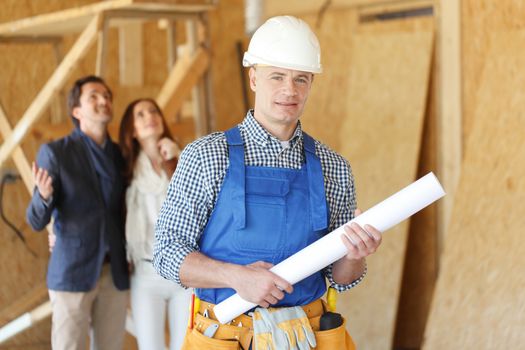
23,76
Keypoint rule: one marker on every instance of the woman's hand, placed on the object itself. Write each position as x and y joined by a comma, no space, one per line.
168,149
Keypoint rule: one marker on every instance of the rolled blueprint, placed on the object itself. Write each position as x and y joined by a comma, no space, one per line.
331,248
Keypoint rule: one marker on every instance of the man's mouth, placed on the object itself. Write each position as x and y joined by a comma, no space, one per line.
286,104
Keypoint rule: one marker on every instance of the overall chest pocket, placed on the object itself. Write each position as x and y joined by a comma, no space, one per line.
265,205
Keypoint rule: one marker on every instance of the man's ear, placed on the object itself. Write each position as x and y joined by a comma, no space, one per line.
252,75
76,113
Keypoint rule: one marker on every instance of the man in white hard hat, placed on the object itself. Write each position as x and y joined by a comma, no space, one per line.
243,200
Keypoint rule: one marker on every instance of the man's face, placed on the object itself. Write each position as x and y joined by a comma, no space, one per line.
95,105
280,94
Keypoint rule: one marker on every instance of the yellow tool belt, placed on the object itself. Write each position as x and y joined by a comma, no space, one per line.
237,335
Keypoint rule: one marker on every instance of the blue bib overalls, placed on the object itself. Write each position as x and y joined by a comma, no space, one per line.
268,214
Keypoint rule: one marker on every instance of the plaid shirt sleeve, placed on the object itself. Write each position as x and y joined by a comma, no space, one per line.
184,213
341,196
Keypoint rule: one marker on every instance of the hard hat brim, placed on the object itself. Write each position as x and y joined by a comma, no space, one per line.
250,60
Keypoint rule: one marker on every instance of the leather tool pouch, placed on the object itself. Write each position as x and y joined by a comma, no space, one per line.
336,338
225,338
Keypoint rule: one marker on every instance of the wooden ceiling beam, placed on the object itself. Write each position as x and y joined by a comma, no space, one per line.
74,20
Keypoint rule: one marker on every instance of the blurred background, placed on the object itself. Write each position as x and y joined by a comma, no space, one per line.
408,87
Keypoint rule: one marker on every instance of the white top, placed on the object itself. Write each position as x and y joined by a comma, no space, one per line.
144,198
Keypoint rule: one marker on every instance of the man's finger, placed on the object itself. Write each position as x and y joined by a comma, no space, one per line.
373,232
284,286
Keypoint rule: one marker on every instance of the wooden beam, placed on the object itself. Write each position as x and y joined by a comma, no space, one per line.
25,321
19,158
449,109
171,44
102,48
301,7
55,83
140,14
198,92
393,6
58,104
131,62
59,23
184,75
73,20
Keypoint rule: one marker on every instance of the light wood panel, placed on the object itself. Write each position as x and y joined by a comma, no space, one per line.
226,29
449,107
381,136
421,258
326,109
480,18
131,61
479,301
74,20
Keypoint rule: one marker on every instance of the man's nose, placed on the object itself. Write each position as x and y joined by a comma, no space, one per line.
103,100
289,87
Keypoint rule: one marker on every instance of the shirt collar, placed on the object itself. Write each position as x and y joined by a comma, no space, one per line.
262,137
91,143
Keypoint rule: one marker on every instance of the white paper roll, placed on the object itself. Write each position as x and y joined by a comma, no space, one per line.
330,248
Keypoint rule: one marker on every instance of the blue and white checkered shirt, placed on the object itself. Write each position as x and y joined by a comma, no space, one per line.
194,188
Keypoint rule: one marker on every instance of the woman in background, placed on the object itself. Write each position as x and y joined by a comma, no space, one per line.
151,156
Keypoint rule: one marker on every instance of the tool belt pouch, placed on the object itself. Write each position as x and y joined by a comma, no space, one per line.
336,338
225,337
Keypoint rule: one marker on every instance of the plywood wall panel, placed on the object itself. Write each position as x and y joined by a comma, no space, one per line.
479,19
421,258
326,109
479,301
226,29
381,136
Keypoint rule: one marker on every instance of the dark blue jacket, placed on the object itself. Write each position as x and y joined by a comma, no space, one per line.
80,217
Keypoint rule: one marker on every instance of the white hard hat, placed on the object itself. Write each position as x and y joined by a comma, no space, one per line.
284,42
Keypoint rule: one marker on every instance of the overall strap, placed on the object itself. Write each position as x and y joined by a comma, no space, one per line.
238,174
318,207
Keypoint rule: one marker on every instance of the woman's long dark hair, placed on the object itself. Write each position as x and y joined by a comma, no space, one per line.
129,145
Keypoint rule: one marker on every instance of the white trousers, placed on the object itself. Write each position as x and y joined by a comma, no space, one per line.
151,297
100,312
